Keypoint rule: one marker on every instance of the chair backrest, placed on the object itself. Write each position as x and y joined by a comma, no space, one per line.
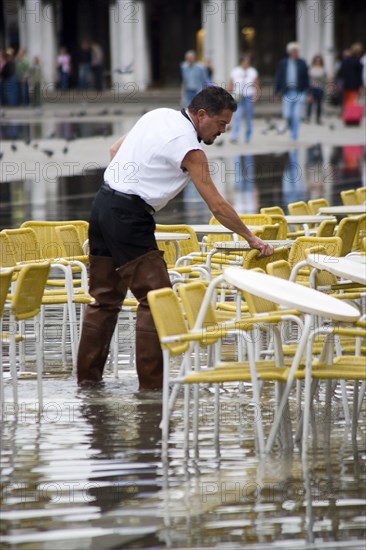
361,233
255,219
47,238
272,210
186,246
349,197
250,260
326,228
7,253
280,268
170,252
299,208
347,231
268,232
5,280
315,204
27,297
24,244
280,220
361,195
192,295
69,241
168,318
332,245
257,305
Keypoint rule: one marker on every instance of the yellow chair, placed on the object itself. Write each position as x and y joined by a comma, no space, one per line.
248,219
361,234
315,204
272,210
333,369
176,339
5,281
187,246
279,268
347,230
45,233
70,245
361,195
26,248
277,215
349,197
283,232
300,272
326,229
299,208
268,232
25,303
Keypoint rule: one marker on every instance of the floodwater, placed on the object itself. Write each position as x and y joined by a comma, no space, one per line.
249,182
85,472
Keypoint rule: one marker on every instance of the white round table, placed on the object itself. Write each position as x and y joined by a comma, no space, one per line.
341,267
291,295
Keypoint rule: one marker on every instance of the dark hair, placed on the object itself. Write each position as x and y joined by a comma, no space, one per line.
213,100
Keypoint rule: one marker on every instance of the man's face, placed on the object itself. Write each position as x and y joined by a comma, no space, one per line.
210,127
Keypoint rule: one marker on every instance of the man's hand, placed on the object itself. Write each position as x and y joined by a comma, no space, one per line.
264,248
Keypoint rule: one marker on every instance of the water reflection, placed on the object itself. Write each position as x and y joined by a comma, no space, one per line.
66,129
88,475
121,431
293,187
249,182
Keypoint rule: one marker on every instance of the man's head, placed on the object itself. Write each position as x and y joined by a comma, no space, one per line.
211,111
292,49
190,57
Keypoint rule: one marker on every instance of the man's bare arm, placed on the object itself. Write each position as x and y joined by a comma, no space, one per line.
195,162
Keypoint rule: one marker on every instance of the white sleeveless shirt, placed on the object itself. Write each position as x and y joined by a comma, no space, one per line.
148,163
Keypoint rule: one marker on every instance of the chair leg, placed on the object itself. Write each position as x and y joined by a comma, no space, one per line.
361,397
13,359
39,355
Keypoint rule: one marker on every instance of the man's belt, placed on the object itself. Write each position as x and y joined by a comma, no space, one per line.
132,198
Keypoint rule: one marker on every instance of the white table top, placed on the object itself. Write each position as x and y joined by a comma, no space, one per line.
343,210
205,228
171,236
244,245
342,267
307,219
289,294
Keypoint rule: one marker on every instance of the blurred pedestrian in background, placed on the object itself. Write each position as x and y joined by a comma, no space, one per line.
35,82
292,84
350,75
22,73
64,68
97,59
244,86
318,82
85,59
9,79
194,77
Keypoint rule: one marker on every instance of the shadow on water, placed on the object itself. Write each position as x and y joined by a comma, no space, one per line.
249,182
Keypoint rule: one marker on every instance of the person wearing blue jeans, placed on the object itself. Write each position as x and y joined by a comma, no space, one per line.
292,84
244,86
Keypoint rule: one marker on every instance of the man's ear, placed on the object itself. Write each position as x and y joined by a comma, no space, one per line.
201,113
